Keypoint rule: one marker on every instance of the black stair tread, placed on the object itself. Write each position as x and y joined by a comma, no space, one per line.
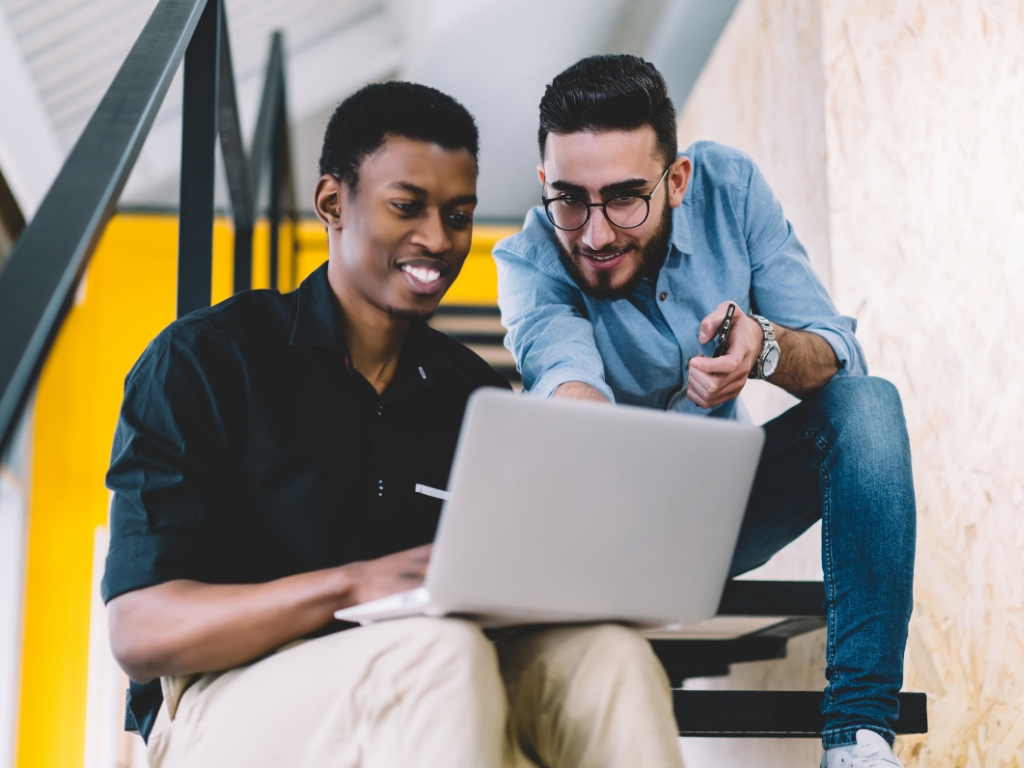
801,601
772,598
773,714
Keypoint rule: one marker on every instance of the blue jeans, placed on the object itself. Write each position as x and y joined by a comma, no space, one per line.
842,454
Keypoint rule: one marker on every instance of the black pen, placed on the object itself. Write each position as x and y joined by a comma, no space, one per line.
723,332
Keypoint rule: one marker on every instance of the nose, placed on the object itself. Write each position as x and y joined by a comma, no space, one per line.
598,233
431,235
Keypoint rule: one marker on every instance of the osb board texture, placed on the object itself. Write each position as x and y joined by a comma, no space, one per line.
923,111
924,107
762,91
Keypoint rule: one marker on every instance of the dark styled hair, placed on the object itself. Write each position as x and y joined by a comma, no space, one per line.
361,122
613,92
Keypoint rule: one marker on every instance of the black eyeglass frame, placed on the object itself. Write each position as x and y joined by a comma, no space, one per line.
547,201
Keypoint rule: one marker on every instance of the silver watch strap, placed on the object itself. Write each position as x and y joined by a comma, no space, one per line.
766,327
757,372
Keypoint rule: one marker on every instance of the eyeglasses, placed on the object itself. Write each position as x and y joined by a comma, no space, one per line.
626,210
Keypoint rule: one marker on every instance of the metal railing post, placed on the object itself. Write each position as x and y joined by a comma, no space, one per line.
198,145
277,181
236,164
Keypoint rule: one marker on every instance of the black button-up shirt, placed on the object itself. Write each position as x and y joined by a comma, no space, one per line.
249,448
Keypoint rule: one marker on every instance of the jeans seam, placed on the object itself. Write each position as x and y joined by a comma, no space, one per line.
830,588
805,435
886,734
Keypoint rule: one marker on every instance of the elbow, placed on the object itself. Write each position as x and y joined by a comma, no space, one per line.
133,643
140,666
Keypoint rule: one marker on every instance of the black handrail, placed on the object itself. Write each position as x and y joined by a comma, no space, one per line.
39,279
271,143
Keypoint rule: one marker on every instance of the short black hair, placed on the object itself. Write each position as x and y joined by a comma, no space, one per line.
361,122
611,92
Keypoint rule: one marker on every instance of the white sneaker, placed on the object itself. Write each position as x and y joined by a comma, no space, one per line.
870,751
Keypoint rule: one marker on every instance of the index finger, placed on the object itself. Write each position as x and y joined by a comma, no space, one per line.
710,324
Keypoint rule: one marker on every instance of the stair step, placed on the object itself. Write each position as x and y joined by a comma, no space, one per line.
774,714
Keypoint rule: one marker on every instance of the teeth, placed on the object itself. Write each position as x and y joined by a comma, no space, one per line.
423,274
605,258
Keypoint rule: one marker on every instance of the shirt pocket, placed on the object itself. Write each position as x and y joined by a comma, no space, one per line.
418,516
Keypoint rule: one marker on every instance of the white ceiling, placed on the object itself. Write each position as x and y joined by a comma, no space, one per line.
495,57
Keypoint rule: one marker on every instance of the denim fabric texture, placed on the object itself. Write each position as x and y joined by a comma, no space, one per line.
729,241
842,454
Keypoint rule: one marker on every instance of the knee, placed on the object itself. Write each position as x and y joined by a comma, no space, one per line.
865,412
449,641
860,397
612,649
869,443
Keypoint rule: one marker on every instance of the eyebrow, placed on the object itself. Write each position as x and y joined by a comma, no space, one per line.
420,192
627,185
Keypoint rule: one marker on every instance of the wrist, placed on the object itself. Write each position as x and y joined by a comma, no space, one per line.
340,586
577,390
756,335
769,353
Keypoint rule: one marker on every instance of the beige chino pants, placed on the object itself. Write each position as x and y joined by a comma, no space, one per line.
431,693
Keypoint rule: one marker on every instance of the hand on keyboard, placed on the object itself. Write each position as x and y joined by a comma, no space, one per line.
402,571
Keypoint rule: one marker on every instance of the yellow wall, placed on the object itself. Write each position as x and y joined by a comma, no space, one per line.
127,297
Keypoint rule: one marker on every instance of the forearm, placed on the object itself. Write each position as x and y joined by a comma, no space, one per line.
807,362
577,390
181,627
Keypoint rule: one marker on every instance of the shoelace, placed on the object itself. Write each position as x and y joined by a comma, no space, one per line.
864,756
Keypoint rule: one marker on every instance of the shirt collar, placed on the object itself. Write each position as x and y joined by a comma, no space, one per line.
682,238
318,324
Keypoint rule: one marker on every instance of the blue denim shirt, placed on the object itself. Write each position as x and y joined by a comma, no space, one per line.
729,241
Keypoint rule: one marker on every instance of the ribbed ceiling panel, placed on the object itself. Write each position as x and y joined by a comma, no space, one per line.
73,48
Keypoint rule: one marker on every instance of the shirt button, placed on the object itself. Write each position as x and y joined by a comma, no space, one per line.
380,410
662,296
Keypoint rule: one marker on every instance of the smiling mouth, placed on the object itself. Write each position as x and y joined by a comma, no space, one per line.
424,279
424,275
607,257
605,260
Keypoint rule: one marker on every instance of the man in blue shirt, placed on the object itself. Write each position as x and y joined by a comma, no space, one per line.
614,291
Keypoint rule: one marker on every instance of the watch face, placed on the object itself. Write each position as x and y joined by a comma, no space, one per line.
771,362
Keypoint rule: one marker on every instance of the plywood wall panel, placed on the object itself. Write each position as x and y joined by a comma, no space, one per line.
916,190
925,125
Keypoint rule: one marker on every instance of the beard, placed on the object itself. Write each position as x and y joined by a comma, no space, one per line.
649,261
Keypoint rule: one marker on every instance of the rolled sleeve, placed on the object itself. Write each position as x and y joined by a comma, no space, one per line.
785,288
547,333
166,472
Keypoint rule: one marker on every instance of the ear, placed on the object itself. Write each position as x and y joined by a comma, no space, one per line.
540,173
678,180
327,201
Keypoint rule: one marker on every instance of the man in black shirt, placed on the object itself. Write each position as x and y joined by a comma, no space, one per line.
264,469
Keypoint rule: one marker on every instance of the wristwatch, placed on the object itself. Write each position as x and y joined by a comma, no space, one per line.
768,361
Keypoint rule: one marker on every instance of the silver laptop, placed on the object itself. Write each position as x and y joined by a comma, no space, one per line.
566,511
